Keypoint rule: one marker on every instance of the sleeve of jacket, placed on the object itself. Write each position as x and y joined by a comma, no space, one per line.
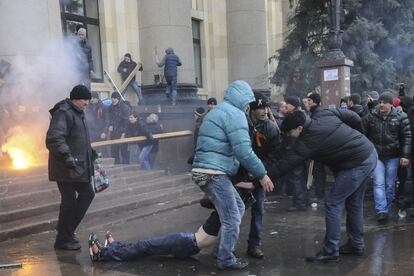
90,60
405,136
350,118
119,69
56,135
365,125
238,135
274,144
125,111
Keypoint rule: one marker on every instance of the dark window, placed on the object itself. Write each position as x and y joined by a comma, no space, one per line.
84,12
197,52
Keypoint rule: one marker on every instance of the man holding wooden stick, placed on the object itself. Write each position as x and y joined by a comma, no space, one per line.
125,69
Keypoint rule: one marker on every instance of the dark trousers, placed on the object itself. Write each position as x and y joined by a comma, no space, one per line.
347,191
120,153
257,217
76,198
180,245
319,179
297,179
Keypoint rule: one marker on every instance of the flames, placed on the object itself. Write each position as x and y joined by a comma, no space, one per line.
25,148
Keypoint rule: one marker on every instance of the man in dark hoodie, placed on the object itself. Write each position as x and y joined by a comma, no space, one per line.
71,163
124,69
354,104
170,63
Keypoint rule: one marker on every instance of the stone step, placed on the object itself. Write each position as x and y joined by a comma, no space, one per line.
22,191
14,211
104,209
25,186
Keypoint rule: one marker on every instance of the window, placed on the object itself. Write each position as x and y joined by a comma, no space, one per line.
197,52
84,12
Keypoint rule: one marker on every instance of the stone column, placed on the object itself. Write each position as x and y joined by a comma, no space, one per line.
247,42
163,24
28,27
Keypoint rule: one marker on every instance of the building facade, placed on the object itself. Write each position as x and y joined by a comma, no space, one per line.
218,41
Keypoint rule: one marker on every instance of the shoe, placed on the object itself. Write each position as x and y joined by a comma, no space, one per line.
255,252
382,217
206,203
322,258
69,245
108,238
93,240
75,239
348,249
238,265
296,209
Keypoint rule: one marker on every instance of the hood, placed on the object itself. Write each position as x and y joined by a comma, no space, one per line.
169,51
66,104
357,109
239,93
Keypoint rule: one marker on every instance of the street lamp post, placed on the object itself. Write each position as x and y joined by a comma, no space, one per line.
335,67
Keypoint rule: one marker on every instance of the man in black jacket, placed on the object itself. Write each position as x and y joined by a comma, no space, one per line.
71,163
390,132
334,139
124,69
118,113
84,58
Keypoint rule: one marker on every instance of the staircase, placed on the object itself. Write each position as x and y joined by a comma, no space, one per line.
30,203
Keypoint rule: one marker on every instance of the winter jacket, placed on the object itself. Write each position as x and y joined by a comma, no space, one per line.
85,62
67,138
266,140
118,118
96,120
150,130
331,137
170,63
391,134
223,141
125,69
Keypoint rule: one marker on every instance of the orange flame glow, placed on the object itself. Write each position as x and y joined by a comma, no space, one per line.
24,148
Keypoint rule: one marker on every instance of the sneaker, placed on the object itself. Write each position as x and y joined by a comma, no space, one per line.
255,252
348,249
108,238
382,217
238,265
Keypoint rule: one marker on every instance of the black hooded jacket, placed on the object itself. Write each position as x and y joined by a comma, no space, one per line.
331,137
68,137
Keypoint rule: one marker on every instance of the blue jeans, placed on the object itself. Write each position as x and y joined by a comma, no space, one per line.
133,153
384,183
172,88
230,208
134,85
347,191
144,157
180,245
297,178
257,217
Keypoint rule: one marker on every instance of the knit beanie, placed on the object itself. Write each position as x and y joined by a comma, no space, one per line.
128,55
293,120
315,97
386,97
80,92
293,100
212,101
115,95
199,111
374,95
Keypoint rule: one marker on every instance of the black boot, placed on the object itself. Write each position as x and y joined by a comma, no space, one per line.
322,257
255,252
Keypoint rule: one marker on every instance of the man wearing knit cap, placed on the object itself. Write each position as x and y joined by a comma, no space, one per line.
71,164
373,97
125,68
333,138
389,130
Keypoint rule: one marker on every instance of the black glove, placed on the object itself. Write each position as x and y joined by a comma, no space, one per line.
70,162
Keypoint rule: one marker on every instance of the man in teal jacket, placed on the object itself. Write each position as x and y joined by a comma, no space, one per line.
223,143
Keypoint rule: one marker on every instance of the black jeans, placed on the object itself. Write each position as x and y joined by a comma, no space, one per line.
76,198
120,153
297,178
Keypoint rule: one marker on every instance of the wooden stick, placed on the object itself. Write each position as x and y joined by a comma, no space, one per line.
143,138
10,266
128,80
113,84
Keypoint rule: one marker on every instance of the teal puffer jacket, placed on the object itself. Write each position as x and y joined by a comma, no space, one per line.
223,141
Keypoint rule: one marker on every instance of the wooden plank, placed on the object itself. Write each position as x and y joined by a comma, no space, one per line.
128,80
160,136
113,84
